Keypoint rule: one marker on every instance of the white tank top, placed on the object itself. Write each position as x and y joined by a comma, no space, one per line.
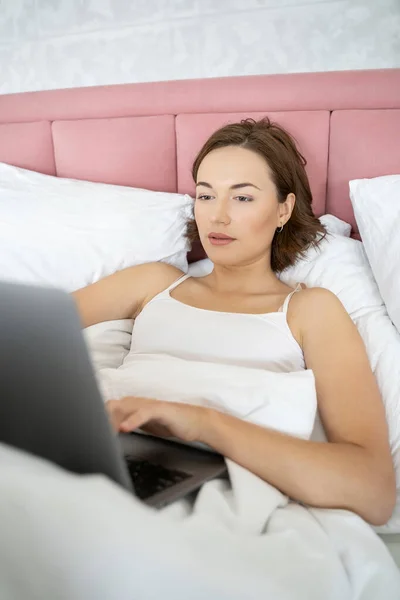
167,326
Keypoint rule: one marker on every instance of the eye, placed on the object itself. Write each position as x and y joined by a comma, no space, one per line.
244,198
204,197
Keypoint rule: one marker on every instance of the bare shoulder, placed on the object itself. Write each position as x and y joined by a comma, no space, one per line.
156,277
160,271
317,303
311,310
309,300
121,295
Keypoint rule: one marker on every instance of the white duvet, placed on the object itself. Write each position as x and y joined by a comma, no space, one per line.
67,537
85,538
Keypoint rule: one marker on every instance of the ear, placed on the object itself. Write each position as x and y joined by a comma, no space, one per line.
286,209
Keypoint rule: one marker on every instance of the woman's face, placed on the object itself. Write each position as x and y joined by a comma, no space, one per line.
237,210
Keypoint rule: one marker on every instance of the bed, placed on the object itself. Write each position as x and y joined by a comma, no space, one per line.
146,134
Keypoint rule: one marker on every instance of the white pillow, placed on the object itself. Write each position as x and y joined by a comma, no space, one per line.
335,225
376,204
340,265
68,233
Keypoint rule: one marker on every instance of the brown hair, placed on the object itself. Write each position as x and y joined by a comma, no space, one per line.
286,164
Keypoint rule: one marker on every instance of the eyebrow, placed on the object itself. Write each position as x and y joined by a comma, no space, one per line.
235,186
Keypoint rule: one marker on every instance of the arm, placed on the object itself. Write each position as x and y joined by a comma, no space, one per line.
354,469
123,294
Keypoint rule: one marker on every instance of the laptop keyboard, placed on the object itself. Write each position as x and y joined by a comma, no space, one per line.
149,478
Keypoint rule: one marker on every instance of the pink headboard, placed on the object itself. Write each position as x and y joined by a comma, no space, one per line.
346,123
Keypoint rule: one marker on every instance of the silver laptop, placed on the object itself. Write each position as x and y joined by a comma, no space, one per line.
50,404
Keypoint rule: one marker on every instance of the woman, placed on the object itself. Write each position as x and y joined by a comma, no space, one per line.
254,218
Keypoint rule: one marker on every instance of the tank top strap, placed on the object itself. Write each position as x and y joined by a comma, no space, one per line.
285,305
176,283
165,293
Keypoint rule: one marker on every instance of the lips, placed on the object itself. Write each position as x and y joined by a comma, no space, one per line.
220,239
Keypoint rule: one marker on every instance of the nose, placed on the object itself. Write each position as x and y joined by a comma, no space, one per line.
220,213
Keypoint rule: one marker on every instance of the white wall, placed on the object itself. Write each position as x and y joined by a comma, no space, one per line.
66,43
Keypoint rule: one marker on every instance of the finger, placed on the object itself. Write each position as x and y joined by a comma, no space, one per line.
136,419
111,405
120,409
115,414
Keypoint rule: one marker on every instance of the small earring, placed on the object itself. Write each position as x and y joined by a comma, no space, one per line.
279,229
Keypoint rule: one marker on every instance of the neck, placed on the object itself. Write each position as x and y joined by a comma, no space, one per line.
254,276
